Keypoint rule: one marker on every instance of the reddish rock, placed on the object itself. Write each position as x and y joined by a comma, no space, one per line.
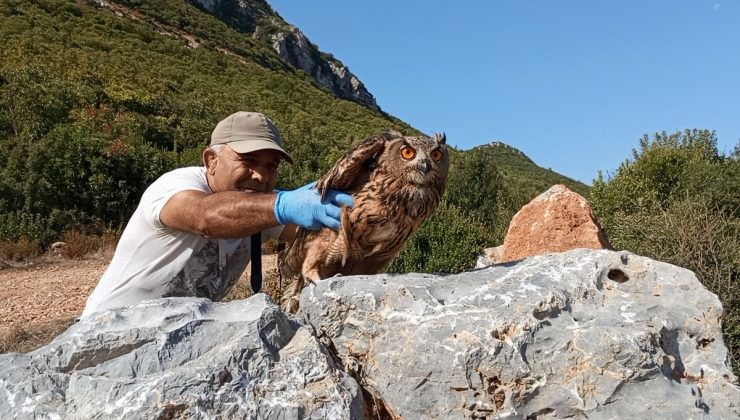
555,221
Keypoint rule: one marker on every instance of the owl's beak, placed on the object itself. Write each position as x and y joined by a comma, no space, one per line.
424,166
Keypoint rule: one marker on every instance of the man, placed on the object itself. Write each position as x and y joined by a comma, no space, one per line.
190,234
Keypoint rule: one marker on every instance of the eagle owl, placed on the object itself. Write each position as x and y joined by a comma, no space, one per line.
396,183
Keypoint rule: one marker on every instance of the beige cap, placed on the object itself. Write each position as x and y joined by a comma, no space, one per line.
247,132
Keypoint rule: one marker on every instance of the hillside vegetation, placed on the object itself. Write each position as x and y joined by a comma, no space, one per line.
96,103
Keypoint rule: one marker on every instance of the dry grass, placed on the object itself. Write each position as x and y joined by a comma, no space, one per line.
270,247
25,254
79,244
25,338
74,244
21,250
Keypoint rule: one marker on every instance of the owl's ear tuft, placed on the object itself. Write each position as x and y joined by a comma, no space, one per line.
440,137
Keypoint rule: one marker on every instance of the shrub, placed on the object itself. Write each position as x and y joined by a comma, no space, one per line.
79,244
668,168
475,186
447,242
36,228
23,249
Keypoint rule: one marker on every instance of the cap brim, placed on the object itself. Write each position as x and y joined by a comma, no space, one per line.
249,146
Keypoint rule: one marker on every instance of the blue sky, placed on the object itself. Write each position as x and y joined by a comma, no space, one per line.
573,84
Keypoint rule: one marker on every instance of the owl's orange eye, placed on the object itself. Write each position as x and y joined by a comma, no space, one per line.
408,152
436,155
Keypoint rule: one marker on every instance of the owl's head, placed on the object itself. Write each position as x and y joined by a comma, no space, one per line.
420,161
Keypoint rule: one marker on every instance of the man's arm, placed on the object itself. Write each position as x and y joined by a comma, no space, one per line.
236,214
228,214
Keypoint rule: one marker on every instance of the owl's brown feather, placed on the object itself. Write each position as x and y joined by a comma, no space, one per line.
347,173
392,197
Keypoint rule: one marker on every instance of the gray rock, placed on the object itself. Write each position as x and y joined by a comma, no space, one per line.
180,357
329,73
582,334
257,17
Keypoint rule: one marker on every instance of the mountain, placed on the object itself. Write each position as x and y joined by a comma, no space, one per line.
98,98
514,164
139,86
259,21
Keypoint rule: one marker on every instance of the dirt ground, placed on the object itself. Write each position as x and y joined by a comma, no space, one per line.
39,300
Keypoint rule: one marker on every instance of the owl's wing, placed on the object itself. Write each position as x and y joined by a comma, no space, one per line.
344,173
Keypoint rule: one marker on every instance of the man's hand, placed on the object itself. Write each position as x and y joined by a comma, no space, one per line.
304,207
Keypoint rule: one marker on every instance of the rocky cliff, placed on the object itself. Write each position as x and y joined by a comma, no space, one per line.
581,334
257,18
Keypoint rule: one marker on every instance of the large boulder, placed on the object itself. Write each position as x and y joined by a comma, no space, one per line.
180,357
557,220
582,334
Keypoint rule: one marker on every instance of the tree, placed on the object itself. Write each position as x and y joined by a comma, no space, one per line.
476,188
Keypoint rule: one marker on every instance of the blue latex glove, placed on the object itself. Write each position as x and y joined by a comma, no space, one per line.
303,207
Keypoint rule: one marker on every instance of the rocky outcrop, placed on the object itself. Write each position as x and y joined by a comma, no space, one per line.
241,14
291,45
180,358
557,220
295,49
582,334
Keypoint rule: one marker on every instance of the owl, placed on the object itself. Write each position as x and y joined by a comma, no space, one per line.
396,183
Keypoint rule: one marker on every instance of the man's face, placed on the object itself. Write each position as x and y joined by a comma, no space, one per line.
231,171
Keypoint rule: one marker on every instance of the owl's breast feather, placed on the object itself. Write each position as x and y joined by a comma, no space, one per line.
373,220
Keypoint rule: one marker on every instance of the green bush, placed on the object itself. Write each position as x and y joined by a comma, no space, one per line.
492,182
447,242
74,168
666,169
475,186
35,227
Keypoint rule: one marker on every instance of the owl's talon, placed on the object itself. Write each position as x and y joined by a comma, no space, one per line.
311,282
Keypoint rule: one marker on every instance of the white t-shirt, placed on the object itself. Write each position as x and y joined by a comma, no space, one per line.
153,261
